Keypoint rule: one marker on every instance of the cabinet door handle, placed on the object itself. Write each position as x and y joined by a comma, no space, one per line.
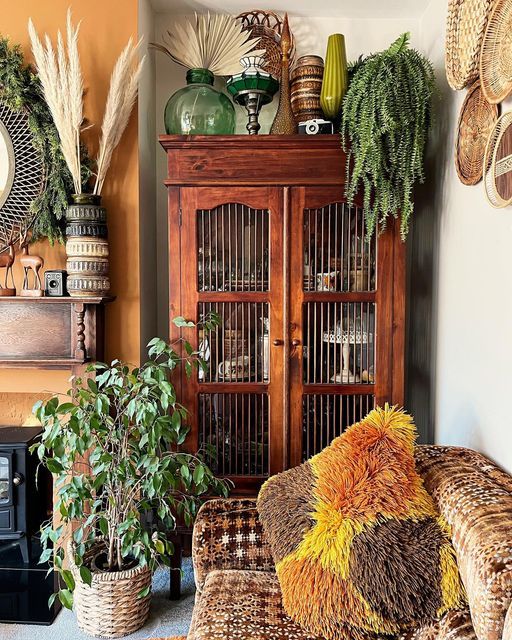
277,343
295,342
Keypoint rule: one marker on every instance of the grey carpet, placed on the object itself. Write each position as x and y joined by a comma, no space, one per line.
167,617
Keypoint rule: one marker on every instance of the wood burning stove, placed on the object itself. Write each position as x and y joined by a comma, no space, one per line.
24,502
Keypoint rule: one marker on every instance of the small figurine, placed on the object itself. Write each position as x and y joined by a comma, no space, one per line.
30,264
6,262
284,121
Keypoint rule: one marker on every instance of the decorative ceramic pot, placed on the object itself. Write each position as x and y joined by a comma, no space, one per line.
306,85
198,108
335,81
87,247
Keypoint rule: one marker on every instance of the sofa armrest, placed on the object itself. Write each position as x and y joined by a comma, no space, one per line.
228,535
475,497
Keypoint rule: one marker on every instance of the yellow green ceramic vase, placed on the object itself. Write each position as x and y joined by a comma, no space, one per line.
335,81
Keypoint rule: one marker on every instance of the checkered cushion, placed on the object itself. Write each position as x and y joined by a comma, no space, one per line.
229,535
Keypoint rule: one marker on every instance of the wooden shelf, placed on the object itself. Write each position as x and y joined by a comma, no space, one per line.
51,332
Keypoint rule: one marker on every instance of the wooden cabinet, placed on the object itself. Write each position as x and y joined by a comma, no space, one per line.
312,313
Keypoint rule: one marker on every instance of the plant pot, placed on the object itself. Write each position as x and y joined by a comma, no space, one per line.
110,607
87,247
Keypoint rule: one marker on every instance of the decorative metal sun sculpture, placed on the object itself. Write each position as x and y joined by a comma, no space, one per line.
22,175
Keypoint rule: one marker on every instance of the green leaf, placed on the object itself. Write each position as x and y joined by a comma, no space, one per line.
144,592
67,576
160,547
181,322
198,474
86,575
54,465
66,598
103,525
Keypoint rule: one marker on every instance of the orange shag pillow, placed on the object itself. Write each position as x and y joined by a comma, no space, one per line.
359,546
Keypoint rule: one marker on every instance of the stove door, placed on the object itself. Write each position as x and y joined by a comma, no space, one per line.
6,497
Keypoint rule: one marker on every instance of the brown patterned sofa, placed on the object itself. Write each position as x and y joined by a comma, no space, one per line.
238,595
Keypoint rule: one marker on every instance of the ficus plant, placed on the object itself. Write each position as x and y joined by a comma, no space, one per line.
128,424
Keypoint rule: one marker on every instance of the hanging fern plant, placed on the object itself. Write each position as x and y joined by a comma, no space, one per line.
20,90
386,120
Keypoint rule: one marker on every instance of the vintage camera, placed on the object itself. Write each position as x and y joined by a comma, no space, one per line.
314,127
55,283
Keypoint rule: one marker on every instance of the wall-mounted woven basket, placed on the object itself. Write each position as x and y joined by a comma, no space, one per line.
465,28
476,121
498,163
496,53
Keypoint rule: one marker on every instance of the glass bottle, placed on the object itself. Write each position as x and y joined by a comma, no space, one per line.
198,108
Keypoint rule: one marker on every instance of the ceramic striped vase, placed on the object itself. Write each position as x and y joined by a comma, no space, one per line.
87,247
335,81
306,84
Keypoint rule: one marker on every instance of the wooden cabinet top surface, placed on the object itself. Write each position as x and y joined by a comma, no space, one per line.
254,160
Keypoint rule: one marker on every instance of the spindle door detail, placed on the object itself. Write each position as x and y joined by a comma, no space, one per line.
233,267
342,283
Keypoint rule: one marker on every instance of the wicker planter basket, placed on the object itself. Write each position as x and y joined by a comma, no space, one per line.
110,608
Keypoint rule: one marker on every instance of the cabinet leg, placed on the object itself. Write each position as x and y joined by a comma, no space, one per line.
175,570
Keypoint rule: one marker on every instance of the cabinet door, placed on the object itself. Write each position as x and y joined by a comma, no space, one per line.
341,318
232,265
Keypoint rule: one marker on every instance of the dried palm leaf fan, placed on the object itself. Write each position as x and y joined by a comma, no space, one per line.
214,42
476,121
496,53
267,26
498,163
465,30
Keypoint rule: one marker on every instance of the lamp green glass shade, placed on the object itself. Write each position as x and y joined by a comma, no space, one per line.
335,80
198,108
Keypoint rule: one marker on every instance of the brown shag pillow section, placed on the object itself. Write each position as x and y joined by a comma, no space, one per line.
355,530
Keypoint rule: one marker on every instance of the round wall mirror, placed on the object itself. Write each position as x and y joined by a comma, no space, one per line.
22,176
6,164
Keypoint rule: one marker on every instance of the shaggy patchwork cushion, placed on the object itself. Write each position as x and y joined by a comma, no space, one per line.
356,538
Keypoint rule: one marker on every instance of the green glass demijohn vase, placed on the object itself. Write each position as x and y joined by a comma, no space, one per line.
198,108
335,80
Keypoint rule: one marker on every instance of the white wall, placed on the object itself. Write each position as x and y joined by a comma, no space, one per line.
472,299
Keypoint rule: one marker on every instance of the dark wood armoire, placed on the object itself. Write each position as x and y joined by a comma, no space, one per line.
312,312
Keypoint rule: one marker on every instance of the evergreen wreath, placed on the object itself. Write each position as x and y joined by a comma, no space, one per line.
20,90
386,120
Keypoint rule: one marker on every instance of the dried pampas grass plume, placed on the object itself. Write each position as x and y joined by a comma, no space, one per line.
61,79
122,94
215,42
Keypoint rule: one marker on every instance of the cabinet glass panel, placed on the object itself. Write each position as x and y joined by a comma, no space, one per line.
233,431
325,417
233,248
337,255
4,480
237,350
339,342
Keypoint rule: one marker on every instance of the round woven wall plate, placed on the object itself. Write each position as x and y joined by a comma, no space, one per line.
498,163
496,53
267,26
476,121
465,28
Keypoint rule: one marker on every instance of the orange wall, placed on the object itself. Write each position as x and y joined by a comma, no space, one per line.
106,27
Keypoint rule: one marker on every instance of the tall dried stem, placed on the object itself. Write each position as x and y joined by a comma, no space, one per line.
61,79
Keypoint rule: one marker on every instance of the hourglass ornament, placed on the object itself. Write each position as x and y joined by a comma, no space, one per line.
252,88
